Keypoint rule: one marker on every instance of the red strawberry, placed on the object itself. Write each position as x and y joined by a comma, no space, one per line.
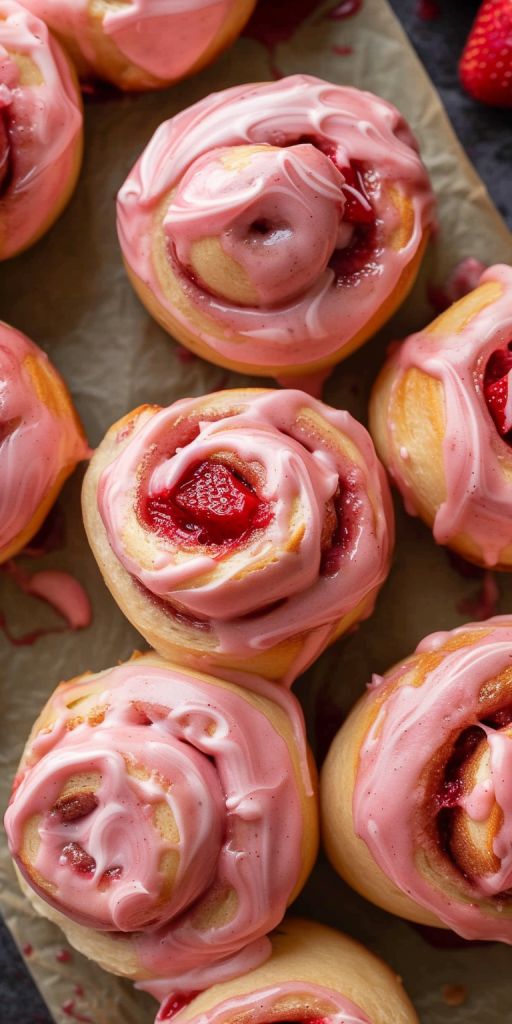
496,383
75,855
486,64
215,495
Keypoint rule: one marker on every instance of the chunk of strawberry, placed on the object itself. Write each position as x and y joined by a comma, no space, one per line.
215,495
496,391
486,64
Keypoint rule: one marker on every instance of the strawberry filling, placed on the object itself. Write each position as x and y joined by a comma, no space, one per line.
496,391
213,506
351,261
346,508
174,1003
76,857
5,154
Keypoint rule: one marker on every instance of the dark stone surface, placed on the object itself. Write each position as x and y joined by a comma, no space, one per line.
487,137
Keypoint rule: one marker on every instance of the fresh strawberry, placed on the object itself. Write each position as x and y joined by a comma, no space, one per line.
215,495
486,64
496,386
213,506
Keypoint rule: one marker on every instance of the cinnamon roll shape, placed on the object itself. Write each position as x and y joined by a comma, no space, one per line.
40,129
417,786
441,419
314,974
247,529
165,820
41,439
272,228
143,44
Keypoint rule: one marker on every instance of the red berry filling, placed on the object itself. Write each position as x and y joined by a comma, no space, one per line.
71,808
5,154
174,1003
346,507
214,506
75,855
496,391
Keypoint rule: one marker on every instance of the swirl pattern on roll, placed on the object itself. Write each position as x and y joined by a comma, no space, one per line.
432,796
275,223
145,43
314,974
259,520
40,438
40,129
454,464
169,816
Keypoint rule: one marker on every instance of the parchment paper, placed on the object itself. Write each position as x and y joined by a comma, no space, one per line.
71,295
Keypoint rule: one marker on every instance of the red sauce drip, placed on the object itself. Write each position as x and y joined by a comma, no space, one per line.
342,51
496,389
174,1003
69,1009
272,24
213,507
346,9
483,603
27,639
75,855
27,950
428,10
64,956
5,153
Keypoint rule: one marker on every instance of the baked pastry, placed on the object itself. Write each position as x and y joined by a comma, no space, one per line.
441,419
314,974
416,789
41,438
40,129
165,819
272,228
143,44
243,530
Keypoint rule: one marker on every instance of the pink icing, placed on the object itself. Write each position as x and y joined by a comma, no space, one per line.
412,725
35,444
300,182
165,38
234,797
463,279
301,473
41,128
347,125
57,588
258,1005
478,493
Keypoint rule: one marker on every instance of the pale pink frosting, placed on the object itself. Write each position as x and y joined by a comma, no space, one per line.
301,470
165,38
260,1003
412,724
325,316
478,494
235,797
298,186
36,445
59,589
41,128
